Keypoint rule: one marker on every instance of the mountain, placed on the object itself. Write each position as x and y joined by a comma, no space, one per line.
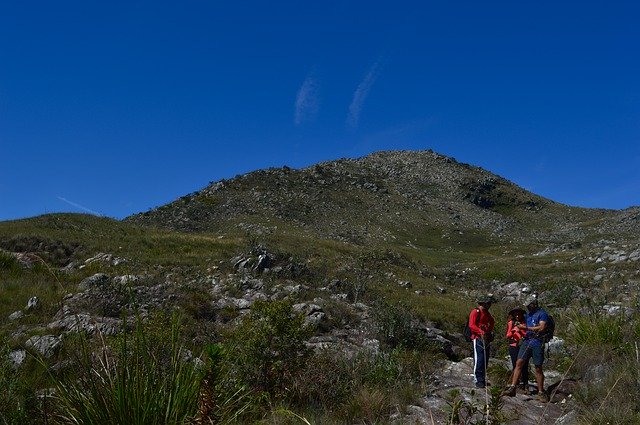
376,198
382,256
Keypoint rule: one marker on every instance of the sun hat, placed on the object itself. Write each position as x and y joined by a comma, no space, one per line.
515,311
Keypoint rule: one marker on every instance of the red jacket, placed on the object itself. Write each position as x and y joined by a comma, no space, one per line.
480,322
514,333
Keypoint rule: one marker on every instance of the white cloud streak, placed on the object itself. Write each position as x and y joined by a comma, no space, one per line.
360,95
79,206
306,106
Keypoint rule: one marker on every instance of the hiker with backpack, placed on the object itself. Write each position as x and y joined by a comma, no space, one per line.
481,325
514,336
532,347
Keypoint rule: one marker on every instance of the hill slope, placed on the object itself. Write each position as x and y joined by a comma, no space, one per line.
381,196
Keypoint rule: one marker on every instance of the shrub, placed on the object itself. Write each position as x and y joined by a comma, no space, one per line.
612,399
345,383
396,327
269,346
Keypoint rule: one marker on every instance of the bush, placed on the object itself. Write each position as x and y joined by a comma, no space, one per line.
269,347
345,383
612,399
396,327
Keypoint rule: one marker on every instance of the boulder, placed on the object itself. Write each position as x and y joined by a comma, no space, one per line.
17,357
16,315
46,345
33,304
96,281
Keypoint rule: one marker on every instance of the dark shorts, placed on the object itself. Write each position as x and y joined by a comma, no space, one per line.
533,351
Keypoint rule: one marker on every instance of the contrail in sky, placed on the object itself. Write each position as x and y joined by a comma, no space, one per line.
79,206
306,106
360,95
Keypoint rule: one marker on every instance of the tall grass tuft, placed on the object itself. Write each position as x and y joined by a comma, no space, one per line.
221,401
138,385
598,330
17,399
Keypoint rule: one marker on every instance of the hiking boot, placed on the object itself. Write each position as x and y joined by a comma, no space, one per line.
509,391
542,397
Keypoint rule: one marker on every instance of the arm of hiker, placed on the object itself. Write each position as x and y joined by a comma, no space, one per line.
473,322
510,329
539,328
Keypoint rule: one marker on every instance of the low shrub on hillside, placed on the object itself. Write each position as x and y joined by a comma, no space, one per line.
612,395
269,347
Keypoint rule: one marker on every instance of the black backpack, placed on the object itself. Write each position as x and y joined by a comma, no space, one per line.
466,331
547,334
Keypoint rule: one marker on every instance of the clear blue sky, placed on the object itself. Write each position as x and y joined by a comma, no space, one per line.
116,107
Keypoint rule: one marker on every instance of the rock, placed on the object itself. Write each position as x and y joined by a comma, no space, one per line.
570,418
596,374
83,322
405,284
263,263
17,357
104,258
556,345
27,260
125,279
16,315
33,304
95,281
314,315
46,345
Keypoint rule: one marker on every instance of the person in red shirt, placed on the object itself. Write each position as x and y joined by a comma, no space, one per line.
481,324
514,336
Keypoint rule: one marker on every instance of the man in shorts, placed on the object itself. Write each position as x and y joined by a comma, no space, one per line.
531,348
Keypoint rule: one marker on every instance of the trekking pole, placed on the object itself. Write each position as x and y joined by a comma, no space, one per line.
484,368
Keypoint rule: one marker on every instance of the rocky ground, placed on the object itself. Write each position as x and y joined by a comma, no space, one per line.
102,299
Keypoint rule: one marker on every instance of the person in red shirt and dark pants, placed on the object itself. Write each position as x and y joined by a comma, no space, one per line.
481,324
515,335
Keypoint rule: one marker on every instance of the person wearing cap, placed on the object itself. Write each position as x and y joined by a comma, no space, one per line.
481,324
514,337
531,347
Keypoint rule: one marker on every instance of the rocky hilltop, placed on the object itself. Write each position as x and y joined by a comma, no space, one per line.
377,197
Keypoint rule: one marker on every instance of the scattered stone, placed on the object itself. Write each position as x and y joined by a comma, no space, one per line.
46,345
33,304
95,281
16,315
17,357
104,258
405,284
27,260
83,322
263,263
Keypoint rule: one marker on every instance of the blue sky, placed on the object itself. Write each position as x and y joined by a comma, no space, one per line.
118,107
